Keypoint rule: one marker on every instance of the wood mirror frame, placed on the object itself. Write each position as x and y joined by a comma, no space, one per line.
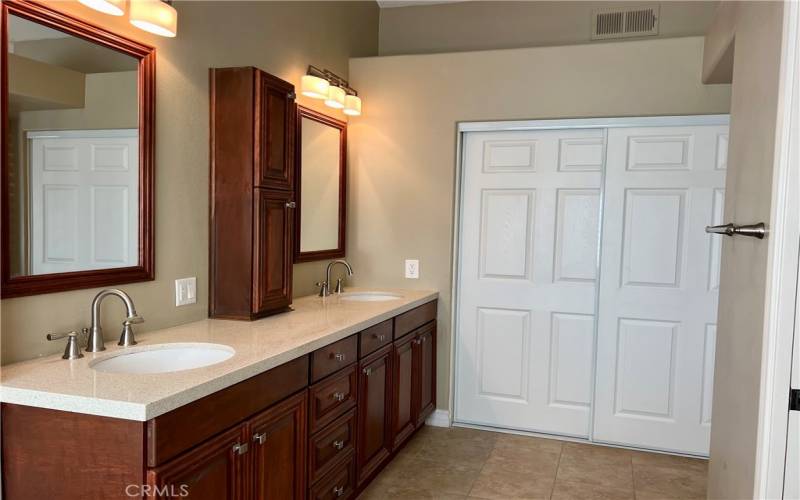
339,251
17,286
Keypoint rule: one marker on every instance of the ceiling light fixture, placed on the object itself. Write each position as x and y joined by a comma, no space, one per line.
112,7
335,90
155,16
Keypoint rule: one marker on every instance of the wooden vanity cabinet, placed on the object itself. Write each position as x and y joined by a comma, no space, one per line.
252,193
404,419
374,412
212,471
320,426
278,437
414,362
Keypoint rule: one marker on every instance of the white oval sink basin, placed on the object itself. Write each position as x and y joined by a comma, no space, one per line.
163,358
370,296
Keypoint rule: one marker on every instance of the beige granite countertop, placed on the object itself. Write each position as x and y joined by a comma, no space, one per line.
52,382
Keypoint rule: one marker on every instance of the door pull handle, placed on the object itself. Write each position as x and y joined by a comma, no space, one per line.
754,230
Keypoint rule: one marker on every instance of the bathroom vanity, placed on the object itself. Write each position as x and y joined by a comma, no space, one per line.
312,403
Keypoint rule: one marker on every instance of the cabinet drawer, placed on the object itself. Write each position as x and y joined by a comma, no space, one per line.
328,446
375,337
413,319
334,357
339,484
332,397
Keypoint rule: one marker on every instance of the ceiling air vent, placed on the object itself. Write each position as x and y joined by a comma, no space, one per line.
625,22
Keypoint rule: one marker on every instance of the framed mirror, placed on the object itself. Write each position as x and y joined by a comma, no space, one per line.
321,181
78,112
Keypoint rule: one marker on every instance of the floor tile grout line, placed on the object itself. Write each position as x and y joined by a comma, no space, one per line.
555,478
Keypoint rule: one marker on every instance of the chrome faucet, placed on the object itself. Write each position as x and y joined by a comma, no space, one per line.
325,286
95,341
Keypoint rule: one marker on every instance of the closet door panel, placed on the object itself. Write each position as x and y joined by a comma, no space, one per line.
528,266
658,293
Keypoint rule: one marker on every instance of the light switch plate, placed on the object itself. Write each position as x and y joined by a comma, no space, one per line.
412,269
185,291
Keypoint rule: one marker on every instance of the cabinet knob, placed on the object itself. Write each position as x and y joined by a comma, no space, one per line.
291,204
381,337
339,356
338,396
260,437
338,491
367,371
240,449
338,444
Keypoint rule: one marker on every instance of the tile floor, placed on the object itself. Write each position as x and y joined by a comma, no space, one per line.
463,463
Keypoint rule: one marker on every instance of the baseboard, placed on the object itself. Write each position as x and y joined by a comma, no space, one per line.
439,418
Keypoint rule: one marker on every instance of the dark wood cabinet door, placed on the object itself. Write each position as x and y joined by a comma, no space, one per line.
403,393
275,136
374,441
425,346
278,440
272,252
215,470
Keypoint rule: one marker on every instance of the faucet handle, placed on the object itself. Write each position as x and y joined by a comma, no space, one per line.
323,288
133,320
72,350
58,336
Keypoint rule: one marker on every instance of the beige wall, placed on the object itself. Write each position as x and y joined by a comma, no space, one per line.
402,150
748,190
279,37
481,25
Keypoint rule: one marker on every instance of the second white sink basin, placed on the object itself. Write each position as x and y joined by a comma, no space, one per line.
163,358
370,296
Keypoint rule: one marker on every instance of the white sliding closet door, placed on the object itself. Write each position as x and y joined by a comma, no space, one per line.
659,279
528,261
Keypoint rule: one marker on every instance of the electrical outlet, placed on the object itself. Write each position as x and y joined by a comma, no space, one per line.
185,291
412,269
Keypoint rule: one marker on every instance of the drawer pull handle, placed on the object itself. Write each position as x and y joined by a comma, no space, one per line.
240,449
380,337
338,396
260,438
338,444
339,356
367,371
338,491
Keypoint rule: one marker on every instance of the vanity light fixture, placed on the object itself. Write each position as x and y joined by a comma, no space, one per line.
314,86
112,7
352,105
335,98
337,92
155,16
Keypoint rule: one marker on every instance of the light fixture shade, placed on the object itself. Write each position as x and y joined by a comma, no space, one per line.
113,7
335,98
154,16
352,105
314,86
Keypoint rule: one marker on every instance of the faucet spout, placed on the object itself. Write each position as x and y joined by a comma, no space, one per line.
95,341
